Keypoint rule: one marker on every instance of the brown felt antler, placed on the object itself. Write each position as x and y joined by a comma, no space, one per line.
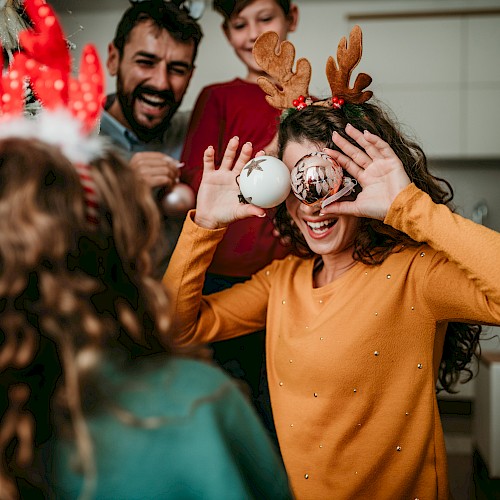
279,65
290,85
348,57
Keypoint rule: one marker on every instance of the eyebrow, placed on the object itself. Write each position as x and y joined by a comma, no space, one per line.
154,57
181,64
264,10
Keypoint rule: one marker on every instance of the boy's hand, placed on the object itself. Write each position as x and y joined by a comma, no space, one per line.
218,201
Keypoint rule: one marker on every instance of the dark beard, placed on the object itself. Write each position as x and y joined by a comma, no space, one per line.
145,134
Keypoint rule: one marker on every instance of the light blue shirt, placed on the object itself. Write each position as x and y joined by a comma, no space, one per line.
128,143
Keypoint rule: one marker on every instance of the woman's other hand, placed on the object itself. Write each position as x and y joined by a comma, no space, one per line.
377,169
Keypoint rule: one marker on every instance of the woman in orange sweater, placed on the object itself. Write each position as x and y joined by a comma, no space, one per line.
377,305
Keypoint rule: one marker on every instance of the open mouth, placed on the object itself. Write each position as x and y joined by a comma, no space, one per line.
154,101
321,227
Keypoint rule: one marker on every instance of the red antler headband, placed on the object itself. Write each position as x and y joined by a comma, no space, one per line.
70,106
293,89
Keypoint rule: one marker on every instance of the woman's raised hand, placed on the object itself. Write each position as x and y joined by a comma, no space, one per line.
218,201
377,169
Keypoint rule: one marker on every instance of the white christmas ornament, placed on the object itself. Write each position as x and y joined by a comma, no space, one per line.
265,181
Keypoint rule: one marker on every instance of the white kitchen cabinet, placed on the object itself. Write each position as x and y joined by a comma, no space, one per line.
441,77
487,412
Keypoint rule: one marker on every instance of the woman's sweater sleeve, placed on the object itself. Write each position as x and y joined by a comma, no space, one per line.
462,282
219,316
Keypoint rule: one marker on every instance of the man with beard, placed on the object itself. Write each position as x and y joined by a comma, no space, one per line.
152,56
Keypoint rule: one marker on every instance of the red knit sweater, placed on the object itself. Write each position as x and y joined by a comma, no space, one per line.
222,111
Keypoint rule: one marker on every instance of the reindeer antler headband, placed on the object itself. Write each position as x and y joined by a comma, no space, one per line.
70,106
277,62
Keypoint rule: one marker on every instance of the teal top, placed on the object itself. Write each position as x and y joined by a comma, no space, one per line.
174,429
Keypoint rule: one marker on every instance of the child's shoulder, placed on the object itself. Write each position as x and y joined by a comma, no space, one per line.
204,373
167,385
231,86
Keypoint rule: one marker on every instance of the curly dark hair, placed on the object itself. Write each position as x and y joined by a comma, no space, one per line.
67,288
375,241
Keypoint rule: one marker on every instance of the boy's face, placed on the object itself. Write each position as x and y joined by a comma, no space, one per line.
259,16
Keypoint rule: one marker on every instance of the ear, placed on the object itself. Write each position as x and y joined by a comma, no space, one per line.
293,18
113,61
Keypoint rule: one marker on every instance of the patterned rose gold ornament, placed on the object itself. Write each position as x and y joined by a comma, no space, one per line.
315,177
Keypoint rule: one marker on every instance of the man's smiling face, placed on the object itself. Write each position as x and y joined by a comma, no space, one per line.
152,77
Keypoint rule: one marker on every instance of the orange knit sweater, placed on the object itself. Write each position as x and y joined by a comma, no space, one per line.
352,366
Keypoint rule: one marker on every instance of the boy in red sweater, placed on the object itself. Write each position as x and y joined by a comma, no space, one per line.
223,110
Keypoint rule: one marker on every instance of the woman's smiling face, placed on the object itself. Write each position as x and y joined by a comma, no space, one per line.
324,234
